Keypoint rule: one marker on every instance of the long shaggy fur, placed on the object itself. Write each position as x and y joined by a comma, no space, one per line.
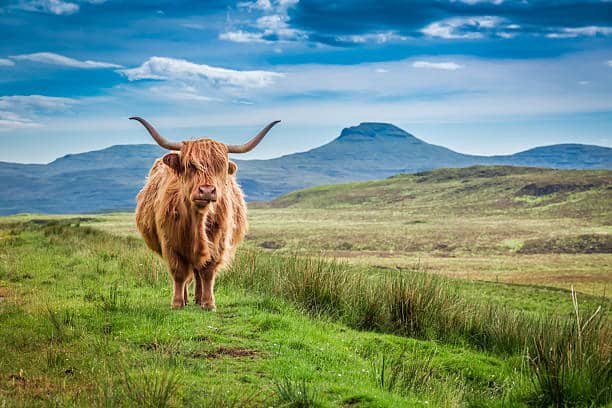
194,241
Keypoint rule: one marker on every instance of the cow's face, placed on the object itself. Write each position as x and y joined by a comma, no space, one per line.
202,168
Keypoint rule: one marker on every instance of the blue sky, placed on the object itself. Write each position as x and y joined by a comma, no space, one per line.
478,76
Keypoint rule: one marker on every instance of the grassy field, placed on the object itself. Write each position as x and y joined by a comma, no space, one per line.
85,321
502,224
529,226
329,302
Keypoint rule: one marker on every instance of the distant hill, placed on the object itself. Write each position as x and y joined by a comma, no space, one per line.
108,179
481,190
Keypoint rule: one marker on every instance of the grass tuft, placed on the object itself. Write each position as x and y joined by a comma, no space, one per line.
296,394
116,299
573,368
151,390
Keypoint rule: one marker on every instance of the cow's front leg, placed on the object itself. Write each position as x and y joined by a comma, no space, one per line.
207,277
198,288
180,275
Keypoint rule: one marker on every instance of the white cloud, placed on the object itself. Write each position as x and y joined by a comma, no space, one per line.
379,38
57,7
505,34
242,36
180,93
274,23
162,68
573,32
256,5
271,27
449,66
57,59
12,121
35,102
462,27
6,62
21,111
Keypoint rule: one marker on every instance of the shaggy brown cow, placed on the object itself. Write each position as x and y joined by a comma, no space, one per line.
192,212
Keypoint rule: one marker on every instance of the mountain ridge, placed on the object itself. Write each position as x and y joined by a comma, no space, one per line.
108,179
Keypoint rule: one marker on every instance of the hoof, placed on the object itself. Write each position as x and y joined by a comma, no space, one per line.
209,307
177,306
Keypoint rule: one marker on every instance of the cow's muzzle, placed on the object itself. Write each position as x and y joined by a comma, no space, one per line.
204,195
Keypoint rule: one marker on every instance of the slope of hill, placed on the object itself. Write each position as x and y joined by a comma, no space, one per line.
481,190
109,179
498,223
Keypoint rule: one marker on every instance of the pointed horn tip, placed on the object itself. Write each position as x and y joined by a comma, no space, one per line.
135,118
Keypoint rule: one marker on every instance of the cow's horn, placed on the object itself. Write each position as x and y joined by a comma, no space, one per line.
158,138
250,145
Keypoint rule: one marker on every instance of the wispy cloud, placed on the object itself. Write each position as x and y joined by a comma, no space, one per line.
240,36
36,102
269,28
161,68
609,63
256,5
180,93
21,111
6,62
272,26
573,32
380,37
57,7
57,59
449,66
12,121
462,27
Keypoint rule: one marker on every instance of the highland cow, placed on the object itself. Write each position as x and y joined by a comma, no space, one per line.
192,212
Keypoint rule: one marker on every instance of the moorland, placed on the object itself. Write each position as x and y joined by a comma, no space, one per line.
483,286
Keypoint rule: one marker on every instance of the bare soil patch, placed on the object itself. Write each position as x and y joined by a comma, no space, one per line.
232,352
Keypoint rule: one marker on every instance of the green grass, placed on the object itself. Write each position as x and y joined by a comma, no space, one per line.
445,288
85,321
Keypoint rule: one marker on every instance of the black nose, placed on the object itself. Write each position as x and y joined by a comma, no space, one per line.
207,192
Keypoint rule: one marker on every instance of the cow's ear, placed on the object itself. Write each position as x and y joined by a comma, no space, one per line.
173,161
231,167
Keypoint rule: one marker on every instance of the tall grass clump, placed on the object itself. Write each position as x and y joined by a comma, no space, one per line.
570,360
296,394
572,366
412,304
151,390
116,299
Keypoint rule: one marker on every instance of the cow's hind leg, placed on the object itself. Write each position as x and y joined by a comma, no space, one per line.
207,281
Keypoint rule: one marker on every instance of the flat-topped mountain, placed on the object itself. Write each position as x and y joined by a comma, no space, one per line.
109,179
